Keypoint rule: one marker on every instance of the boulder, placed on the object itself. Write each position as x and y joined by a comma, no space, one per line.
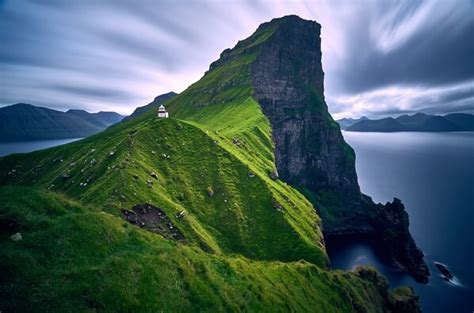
443,269
210,191
274,174
16,237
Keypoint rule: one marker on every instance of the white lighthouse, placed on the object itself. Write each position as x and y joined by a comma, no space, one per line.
162,112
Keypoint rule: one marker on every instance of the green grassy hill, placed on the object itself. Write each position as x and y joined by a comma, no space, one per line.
250,241
75,258
255,244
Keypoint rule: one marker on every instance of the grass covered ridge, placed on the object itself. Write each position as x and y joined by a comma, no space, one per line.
171,164
80,259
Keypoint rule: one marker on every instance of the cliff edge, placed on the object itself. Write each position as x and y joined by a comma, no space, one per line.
310,151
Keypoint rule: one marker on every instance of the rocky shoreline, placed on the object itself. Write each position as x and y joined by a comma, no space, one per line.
388,234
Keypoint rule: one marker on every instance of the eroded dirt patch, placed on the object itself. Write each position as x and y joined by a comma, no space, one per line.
153,219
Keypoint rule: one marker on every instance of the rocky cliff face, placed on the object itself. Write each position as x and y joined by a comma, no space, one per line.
288,83
310,151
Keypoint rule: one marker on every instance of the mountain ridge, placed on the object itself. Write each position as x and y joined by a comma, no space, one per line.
159,100
23,121
420,122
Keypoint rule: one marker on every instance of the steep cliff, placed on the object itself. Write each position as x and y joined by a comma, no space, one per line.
288,83
310,152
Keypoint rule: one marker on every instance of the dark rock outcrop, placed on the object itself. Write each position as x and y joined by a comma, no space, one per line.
310,152
404,300
288,83
153,219
443,269
393,238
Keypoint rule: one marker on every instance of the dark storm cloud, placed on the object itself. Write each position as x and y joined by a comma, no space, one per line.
380,57
438,53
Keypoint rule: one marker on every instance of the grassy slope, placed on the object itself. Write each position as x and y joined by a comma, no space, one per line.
75,258
83,257
240,218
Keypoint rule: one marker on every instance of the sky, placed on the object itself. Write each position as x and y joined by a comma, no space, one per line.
381,58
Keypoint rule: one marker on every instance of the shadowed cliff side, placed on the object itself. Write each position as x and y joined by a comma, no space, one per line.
310,152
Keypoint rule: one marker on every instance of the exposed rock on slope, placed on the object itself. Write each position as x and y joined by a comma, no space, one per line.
153,219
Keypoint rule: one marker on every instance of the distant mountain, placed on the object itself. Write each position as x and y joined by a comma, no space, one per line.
383,125
23,121
417,122
465,121
152,105
413,120
346,122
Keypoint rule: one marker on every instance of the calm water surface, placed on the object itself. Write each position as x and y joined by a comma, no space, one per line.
28,146
433,174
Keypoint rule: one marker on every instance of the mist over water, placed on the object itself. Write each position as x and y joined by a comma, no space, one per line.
433,174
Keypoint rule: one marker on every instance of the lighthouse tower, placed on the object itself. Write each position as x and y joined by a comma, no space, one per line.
162,112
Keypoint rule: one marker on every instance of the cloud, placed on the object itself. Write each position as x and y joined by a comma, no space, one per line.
379,56
395,100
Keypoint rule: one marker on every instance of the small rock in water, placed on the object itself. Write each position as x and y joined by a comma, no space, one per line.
16,237
443,269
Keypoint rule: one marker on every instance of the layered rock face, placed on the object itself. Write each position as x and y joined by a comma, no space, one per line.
288,83
310,151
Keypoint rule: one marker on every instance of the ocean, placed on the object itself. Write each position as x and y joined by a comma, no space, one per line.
433,174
